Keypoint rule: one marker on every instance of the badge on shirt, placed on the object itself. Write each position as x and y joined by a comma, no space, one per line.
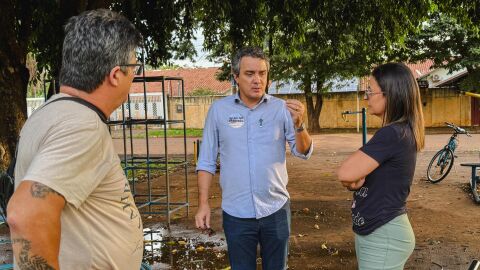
236,120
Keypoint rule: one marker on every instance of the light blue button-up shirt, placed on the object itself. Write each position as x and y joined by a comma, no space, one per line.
252,148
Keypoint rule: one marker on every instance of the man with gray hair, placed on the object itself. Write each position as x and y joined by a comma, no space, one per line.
250,131
72,207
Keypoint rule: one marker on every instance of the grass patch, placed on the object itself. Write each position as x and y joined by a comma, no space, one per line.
172,132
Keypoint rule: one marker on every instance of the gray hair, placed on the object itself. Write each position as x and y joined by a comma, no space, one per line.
95,42
254,52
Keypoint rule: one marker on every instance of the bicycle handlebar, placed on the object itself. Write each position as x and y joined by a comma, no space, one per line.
458,129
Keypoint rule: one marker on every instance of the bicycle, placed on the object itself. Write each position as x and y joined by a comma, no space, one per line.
442,161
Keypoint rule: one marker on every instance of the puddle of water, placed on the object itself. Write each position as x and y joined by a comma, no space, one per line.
180,249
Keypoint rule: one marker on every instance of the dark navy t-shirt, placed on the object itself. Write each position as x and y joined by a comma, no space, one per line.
384,193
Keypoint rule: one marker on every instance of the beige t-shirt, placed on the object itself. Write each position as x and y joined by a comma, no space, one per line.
66,147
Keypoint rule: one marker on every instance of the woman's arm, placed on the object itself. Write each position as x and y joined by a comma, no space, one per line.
352,186
356,167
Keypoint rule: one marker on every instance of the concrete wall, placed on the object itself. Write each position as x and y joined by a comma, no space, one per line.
336,103
196,109
447,106
440,105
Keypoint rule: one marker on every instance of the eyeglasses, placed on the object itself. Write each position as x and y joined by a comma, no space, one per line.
138,68
369,93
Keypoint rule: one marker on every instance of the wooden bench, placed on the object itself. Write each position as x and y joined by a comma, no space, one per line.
474,179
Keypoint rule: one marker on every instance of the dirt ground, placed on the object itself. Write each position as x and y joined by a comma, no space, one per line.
444,217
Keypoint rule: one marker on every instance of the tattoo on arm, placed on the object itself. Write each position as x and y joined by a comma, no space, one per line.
25,261
40,191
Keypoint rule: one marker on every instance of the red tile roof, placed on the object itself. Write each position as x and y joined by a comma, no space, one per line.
194,78
421,68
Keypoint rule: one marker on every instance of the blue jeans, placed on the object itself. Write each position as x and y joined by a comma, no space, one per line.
244,234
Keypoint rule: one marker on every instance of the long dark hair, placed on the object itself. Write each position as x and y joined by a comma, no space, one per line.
403,104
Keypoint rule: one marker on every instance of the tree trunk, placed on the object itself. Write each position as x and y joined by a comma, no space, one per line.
13,77
313,110
13,89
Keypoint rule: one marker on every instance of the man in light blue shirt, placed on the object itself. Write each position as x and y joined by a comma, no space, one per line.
250,131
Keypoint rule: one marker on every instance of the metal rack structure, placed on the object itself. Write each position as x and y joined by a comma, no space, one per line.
151,195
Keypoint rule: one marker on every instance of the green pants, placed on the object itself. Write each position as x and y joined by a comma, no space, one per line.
388,247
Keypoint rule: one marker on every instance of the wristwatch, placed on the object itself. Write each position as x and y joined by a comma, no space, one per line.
300,128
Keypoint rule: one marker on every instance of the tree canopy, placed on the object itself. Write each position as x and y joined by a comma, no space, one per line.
451,44
37,27
311,42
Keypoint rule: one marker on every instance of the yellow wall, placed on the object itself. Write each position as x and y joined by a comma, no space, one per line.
449,106
440,105
196,109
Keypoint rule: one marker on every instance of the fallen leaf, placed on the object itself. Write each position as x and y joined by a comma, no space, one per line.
181,242
324,245
208,231
200,248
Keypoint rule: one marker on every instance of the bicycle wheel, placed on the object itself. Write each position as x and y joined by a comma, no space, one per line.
440,165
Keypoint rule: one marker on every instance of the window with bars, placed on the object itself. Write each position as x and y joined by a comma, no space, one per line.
154,109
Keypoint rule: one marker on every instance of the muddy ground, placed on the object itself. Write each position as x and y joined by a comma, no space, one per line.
445,220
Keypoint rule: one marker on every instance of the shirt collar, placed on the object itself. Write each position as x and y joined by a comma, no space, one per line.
237,99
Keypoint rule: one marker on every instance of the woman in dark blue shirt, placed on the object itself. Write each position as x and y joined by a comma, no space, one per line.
381,172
